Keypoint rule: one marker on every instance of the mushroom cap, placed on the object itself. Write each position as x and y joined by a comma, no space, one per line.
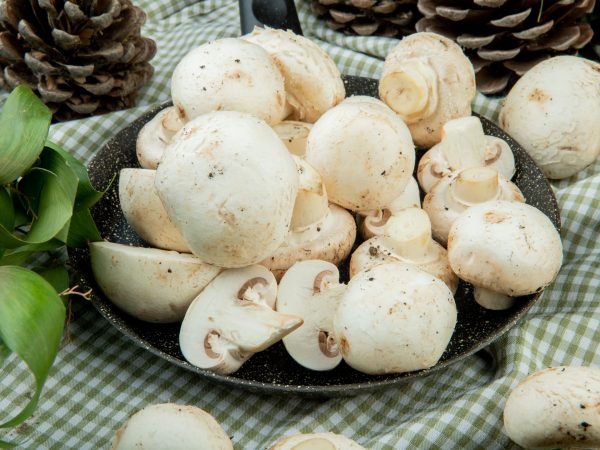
394,318
313,83
555,407
155,135
233,318
427,80
553,111
228,74
316,441
454,193
145,212
357,174
169,426
294,134
310,289
311,205
148,283
329,240
231,198
507,247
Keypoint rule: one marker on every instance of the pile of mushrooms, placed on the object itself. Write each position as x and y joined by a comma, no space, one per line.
249,192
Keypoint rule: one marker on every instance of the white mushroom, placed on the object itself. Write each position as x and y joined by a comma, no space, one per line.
169,426
394,318
232,319
294,134
148,283
555,408
155,135
145,212
311,289
463,146
228,74
316,441
427,80
507,247
374,221
553,111
312,204
364,153
406,238
313,83
455,193
228,184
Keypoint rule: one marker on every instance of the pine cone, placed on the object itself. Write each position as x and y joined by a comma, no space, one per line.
369,17
82,57
505,38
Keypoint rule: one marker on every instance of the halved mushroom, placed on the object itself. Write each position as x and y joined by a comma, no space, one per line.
374,221
228,74
463,146
148,283
427,80
359,175
455,193
145,212
231,198
312,204
507,247
311,289
555,407
169,425
155,135
313,83
316,441
406,238
232,319
294,134
394,318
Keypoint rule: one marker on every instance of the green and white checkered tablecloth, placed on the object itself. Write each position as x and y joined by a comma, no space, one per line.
100,377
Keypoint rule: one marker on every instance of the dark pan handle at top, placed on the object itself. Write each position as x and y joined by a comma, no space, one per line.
280,14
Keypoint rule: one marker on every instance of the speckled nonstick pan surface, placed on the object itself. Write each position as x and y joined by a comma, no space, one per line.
273,371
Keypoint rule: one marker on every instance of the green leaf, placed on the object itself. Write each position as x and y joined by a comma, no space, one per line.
24,123
32,318
82,229
7,211
57,276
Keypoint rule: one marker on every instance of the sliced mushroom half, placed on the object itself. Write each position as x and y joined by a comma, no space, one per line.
232,319
311,289
316,441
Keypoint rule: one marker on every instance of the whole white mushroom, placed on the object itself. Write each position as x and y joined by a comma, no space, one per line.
553,111
228,184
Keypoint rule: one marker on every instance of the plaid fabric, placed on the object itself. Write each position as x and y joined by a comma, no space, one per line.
100,377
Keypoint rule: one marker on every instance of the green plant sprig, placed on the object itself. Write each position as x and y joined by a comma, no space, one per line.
45,200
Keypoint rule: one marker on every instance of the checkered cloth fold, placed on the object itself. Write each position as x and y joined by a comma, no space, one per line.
100,377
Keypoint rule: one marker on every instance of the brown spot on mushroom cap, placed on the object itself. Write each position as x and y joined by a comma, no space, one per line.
344,345
495,217
327,345
249,285
538,95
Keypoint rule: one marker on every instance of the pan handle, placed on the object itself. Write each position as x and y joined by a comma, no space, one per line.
272,13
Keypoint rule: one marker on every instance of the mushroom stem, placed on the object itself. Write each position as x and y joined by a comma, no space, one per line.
411,89
476,185
409,233
463,143
492,300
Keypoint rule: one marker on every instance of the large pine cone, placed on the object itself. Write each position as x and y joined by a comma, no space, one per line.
504,38
82,57
369,17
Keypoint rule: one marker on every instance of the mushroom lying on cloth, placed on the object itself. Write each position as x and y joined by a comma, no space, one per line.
555,408
427,80
553,111
311,289
144,211
232,319
228,74
463,146
455,193
228,184
155,135
318,230
169,426
316,441
150,284
394,318
506,247
406,238
364,153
